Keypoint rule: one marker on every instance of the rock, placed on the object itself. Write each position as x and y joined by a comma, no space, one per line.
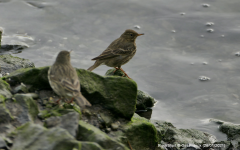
171,135
115,125
37,77
106,91
4,90
68,122
22,88
111,72
14,114
3,145
1,31
144,101
140,133
5,120
87,132
35,137
10,63
58,111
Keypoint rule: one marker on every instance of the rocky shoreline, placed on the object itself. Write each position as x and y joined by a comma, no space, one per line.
30,119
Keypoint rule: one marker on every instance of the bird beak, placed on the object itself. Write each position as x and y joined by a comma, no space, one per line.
140,34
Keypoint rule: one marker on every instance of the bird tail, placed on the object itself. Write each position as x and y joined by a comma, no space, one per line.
95,65
82,101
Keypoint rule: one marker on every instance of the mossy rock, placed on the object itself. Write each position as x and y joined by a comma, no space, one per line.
114,93
232,131
171,135
35,137
4,89
144,101
58,111
141,133
87,132
11,63
36,77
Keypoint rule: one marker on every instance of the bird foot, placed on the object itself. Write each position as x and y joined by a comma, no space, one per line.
125,74
69,102
58,101
116,69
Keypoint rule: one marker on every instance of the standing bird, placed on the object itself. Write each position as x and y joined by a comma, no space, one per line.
119,52
64,80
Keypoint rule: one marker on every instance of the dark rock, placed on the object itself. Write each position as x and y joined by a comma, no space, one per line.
3,145
88,132
144,101
10,63
68,122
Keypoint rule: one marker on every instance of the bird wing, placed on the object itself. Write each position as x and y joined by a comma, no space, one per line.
109,53
70,85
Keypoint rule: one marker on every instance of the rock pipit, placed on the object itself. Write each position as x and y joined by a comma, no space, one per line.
64,80
119,52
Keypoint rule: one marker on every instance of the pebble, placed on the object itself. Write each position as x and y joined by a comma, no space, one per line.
137,27
205,5
209,24
183,13
173,31
210,30
115,125
204,78
205,63
237,54
201,36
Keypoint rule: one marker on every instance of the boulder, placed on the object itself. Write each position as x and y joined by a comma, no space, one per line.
140,133
173,136
144,100
87,132
68,122
113,93
10,63
35,137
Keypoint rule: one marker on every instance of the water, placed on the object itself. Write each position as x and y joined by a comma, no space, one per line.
167,64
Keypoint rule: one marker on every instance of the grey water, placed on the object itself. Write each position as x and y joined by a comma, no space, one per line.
178,47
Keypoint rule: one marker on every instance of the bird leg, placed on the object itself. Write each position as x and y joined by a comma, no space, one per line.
124,73
129,145
58,101
116,69
70,101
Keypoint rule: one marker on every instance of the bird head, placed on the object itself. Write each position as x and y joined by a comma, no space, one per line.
130,35
63,57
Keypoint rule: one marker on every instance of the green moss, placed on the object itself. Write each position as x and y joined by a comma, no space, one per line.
141,133
37,77
28,103
115,93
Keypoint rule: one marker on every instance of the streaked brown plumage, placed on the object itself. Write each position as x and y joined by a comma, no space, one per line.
119,52
64,80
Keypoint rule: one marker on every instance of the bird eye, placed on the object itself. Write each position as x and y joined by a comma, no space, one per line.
131,34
